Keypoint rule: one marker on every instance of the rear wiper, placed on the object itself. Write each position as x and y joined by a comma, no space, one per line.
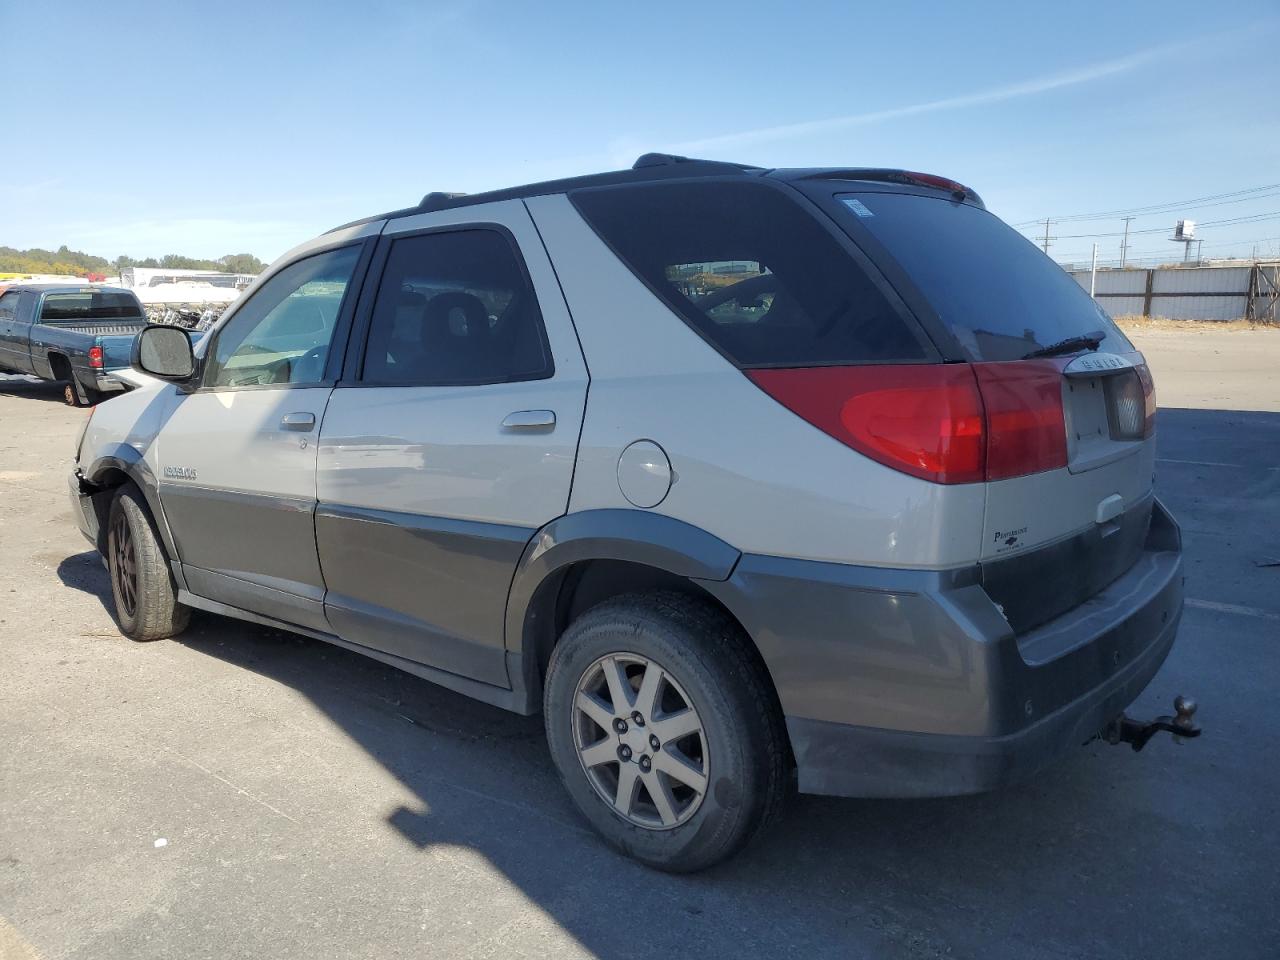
1085,341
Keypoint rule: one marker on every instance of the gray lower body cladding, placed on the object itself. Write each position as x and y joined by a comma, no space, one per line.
911,683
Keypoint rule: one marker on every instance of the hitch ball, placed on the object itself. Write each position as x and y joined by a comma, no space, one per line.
1184,708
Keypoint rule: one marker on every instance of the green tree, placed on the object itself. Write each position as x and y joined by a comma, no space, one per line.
241,263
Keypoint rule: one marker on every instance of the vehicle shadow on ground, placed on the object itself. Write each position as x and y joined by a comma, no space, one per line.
836,878
19,386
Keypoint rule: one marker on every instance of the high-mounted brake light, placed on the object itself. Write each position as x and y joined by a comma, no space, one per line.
947,423
95,357
942,183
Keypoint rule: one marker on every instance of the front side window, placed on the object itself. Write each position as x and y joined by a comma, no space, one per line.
455,308
753,272
283,332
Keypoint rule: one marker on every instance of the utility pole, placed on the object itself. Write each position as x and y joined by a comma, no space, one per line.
1045,245
1199,244
1124,244
1093,272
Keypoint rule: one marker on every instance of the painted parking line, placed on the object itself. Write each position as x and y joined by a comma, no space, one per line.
1233,608
1214,463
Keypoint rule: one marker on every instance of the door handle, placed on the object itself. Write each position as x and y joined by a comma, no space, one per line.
298,421
530,420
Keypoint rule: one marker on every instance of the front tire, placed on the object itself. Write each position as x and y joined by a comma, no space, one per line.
665,730
142,585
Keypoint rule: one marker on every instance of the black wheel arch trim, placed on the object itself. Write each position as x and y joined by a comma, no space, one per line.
636,536
129,460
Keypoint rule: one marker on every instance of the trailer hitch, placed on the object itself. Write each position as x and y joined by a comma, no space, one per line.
1124,729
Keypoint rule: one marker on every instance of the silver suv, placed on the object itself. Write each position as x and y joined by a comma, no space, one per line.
736,475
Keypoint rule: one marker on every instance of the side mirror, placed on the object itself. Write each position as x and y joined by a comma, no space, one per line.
164,352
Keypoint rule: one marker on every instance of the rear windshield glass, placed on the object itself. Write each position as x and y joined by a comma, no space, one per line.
1001,297
92,305
753,272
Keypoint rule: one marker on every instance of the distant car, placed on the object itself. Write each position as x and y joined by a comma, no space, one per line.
735,475
77,334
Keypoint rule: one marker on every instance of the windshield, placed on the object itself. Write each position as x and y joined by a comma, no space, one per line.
90,305
1000,296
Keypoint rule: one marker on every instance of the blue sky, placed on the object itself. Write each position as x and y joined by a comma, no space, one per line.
207,129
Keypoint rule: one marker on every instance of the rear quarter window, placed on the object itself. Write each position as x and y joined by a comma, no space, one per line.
754,272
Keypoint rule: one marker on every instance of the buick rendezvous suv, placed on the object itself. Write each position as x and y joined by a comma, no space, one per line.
746,479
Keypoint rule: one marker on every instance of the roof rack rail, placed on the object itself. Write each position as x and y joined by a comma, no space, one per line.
438,200
669,159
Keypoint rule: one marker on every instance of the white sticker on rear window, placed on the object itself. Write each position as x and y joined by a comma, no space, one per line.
857,206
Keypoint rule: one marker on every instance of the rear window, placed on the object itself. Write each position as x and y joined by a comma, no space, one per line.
1001,297
753,272
90,305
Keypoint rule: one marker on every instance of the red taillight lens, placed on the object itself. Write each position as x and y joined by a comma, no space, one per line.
95,357
924,420
948,423
1026,431
933,180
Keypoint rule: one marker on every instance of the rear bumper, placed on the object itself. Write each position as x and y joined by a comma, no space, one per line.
844,760
912,684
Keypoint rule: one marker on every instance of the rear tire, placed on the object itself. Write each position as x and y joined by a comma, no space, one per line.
694,763
77,394
142,585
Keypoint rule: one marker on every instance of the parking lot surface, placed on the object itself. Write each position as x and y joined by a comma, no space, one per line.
244,792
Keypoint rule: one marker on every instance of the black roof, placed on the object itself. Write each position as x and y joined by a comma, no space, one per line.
653,167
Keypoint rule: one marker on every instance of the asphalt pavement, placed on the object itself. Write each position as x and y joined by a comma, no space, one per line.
241,792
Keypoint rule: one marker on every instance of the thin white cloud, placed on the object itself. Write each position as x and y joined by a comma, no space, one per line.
1025,88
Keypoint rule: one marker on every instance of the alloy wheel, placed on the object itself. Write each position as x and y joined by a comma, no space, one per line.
124,565
640,740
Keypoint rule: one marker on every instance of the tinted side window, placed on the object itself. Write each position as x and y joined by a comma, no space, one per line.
753,272
9,305
282,332
455,308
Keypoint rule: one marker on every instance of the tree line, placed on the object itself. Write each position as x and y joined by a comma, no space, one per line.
78,264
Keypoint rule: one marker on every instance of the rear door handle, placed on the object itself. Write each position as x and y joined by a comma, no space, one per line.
298,421
530,420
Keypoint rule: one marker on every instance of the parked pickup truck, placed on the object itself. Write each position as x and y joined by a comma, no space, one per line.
77,334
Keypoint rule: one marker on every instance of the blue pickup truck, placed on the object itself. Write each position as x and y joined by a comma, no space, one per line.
76,334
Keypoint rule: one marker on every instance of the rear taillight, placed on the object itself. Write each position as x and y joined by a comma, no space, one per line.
1026,430
95,357
948,423
1149,399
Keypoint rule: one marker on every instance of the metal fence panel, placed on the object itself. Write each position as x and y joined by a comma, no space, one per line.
1202,280
1188,293
1121,306
1200,308
1120,281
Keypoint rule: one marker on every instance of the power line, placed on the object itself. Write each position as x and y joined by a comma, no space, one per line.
1249,193
1250,218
